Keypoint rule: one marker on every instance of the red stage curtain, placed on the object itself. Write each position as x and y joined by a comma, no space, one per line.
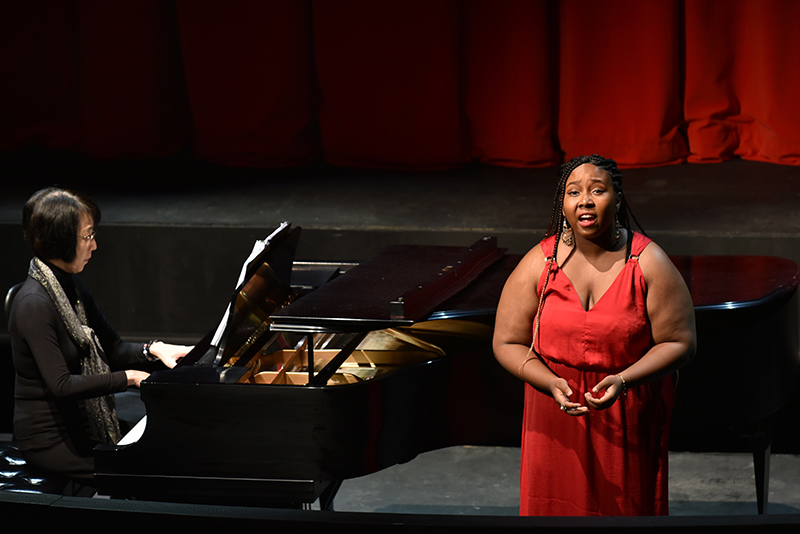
507,89
132,99
619,74
94,76
248,68
389,78
403,83
742,80
39,74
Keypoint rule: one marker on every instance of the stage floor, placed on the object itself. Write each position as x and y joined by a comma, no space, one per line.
485,481
736,207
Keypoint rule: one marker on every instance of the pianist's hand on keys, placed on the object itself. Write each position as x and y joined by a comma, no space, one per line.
167,353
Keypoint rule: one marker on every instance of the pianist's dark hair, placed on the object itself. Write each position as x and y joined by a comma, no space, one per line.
50,221
556,225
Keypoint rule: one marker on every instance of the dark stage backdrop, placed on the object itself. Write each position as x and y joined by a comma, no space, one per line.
414,84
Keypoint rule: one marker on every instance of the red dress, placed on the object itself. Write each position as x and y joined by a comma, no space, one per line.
608,462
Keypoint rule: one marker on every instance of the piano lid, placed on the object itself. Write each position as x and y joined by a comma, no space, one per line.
715,282
399,286
733,282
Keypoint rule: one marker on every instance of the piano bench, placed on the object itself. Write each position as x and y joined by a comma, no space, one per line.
17,476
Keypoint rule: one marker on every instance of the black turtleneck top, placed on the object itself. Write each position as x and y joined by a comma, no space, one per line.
49,385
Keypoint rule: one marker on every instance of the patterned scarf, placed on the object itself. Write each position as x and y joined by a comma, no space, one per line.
101,417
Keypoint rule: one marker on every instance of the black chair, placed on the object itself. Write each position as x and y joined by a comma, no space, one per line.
15,474
18,477
10,299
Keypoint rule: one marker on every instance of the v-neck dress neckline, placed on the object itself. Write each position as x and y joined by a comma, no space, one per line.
628,256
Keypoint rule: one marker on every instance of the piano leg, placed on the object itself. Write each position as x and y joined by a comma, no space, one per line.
761,465
762,447
327,495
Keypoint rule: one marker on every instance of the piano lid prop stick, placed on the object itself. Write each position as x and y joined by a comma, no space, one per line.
412,340
310,339
280,378
327,372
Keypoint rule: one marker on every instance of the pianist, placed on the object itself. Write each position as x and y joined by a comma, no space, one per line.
68,360
595,319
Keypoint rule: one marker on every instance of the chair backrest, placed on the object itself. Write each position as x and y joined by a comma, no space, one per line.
10,299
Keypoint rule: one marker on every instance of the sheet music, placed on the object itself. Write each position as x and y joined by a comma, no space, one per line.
135,432
258,248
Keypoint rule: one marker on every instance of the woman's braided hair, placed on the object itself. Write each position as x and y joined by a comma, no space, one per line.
556,225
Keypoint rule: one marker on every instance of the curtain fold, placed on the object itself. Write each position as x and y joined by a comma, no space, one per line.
388,74
131,94
507,90
403,84
619,84
741,81
248,69
39,74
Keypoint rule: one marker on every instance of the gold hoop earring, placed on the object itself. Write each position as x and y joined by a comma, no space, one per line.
566,234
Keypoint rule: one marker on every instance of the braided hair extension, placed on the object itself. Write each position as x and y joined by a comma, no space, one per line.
557,219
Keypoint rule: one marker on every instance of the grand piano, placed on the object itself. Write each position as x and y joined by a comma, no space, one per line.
324,372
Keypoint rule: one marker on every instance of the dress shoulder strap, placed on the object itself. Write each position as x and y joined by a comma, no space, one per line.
548,244
637,242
